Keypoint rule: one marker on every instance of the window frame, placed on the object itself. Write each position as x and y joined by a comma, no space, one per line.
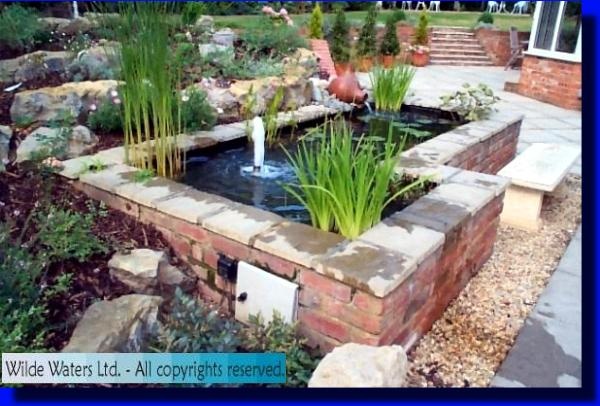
552,53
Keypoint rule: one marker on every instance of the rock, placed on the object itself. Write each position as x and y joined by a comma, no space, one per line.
57,142
298,89
52,23
50,103
81,141
5,134
74,26
100,62
208,49
138,269
356,365
170,278
98,19
35,65
204,23
120,325
224,37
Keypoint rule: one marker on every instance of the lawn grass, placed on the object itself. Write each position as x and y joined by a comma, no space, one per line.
443,19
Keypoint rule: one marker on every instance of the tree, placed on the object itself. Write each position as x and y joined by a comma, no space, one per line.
340,47
367,41
422,31
389,44
315,27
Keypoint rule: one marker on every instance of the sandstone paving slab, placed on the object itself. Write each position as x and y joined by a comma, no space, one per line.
367,267
241,223
110,178
192,205
497,184
438,215
148,192
297,242
472,198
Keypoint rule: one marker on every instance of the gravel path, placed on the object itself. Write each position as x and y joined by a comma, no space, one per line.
468,343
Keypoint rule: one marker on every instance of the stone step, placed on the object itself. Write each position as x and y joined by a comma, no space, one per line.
457,56
452,62
456,35
461,52
444,41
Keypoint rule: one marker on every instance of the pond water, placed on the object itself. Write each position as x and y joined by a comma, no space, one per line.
218,170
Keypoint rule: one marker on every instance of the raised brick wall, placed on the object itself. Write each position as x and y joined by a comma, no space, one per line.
496,44
552,81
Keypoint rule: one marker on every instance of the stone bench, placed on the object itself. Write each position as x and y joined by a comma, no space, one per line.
540,169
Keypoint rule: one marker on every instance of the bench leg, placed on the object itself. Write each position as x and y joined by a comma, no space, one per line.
522,207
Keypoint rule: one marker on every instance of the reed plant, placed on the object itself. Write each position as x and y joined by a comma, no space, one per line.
271,125
345,183
152,80
390,86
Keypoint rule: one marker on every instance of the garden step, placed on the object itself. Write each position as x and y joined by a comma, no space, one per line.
453,62
459,51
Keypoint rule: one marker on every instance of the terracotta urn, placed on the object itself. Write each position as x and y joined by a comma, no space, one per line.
343,67
347,89
420,59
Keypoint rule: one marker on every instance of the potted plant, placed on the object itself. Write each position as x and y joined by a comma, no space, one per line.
340,45
315,26
367,41
389,47
420,49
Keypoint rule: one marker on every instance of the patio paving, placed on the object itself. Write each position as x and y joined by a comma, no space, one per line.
543,122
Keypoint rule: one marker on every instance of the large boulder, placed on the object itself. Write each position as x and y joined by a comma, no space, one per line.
121,325
361,366
62,143
52,23
204,23
74,26
298,92
224,37
99,62
51,103
35,65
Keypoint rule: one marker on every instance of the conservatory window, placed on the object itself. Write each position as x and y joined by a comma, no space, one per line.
556,31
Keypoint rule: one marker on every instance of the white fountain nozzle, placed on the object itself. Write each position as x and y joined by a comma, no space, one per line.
258,138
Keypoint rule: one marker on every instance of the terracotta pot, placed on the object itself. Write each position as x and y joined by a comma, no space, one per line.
343,67
365,64
346,88
420,59
388,60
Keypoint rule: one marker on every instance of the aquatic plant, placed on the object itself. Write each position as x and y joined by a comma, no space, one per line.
390,86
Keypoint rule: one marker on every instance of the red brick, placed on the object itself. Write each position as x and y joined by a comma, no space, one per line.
229,247
323,324
368,303
326,285
274,264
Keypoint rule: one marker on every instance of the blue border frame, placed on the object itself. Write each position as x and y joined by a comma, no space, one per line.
235,396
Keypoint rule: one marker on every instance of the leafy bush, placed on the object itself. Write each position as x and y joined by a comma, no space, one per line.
315,27
196,113
471,102
422,31
65,234
344,184
19,27
279,336
367,41
266,38
192,11
390,86
107,119
389,44
398,15
486,18
340,47
192,327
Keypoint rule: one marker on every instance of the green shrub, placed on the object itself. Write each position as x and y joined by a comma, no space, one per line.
107,119
65,234
192,10
398,15
315,27
486,18
389,44
196,112
192,327
390,86
266,38
340,46
279,336
19,27
471,102
422,31
367,41
345,184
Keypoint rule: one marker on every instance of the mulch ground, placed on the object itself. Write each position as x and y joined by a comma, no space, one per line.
20,190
